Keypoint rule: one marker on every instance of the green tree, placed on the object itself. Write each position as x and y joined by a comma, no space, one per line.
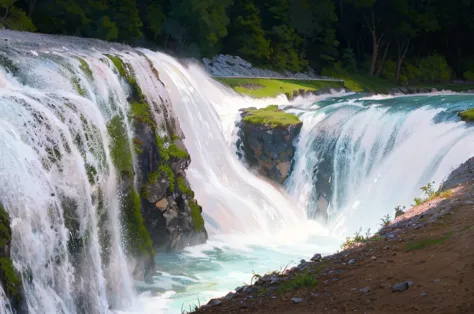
14,17
197,21
126,17
246,36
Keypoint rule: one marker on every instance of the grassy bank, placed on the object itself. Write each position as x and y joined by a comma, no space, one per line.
261,88
357,82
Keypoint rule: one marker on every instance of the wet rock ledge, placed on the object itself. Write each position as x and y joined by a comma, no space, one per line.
266,140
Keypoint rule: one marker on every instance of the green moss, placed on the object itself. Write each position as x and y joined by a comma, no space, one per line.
424,243
183,187
129,76
272,116
120,147
84,66
138,145
175,152
166,170
137,235
119,65
467,115
76,83
141,113
262,88
8,275
10,278
196,214
5,231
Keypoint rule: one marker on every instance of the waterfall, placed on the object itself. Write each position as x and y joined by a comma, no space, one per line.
61,189
58,182
375,153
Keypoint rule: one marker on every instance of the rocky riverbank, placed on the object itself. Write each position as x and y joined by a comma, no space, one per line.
266,141
420,262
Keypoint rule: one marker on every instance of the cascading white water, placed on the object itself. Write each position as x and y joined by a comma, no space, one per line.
234,198
381,151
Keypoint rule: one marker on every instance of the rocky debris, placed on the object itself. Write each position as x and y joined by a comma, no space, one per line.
401,286
269,147
424,294
365,290
297,300
316,257
227,65
352,261
463,174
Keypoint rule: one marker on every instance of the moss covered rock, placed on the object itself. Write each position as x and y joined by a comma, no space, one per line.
164,215
9,278
467,115
266,140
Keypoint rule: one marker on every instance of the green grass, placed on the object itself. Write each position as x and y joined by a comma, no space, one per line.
467,115
272,116
424,243
302,280
196,214
263,88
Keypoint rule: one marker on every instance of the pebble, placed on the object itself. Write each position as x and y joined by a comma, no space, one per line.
314,294
297,300
436,280
468,202
352,261
400,287
365,289
424,294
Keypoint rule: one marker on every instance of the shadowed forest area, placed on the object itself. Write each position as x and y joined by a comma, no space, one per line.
403,41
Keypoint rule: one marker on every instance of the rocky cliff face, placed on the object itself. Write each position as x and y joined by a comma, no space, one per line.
158,206
266,141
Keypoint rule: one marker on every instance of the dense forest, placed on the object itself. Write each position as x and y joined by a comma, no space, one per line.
400,40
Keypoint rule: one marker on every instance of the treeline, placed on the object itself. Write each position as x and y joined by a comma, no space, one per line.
402,40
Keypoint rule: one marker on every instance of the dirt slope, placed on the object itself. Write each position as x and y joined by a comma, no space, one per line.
430,250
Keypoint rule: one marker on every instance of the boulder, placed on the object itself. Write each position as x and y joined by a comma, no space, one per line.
267,141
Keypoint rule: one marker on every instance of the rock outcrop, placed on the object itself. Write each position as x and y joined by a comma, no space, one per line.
159,211
266,141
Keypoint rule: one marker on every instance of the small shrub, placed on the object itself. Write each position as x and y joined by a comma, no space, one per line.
468,76
399,211
386,221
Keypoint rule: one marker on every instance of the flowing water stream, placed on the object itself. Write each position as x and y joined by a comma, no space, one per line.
376,152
